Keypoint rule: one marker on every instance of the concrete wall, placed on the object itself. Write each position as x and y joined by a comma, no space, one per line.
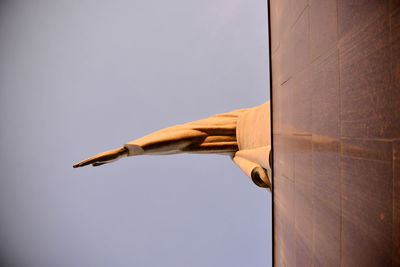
336,132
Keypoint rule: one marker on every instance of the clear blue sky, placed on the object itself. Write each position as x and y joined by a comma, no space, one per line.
80,77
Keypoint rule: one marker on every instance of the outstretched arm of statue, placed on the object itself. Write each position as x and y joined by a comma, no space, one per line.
242,134
215,135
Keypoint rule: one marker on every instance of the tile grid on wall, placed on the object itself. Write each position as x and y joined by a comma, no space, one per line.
336,129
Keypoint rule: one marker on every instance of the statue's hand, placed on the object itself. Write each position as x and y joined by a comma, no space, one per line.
104,157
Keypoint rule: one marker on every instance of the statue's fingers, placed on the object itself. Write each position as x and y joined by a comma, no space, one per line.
103,157
86,162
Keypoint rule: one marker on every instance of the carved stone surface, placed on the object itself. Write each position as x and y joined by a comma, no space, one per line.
242,134
336,125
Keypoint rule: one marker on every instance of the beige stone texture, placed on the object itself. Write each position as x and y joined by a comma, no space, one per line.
242,134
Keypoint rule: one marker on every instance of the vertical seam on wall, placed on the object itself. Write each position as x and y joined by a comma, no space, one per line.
393,141
339,129
339,137
393,202
311,138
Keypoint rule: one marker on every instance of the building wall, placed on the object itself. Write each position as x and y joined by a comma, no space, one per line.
336,132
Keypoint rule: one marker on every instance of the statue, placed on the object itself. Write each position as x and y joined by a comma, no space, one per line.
242,134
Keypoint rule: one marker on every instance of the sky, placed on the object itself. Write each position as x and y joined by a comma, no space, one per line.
81,77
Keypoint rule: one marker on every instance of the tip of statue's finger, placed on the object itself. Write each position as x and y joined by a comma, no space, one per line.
83,163
80,164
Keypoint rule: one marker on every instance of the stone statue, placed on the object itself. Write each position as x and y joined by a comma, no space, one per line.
242,134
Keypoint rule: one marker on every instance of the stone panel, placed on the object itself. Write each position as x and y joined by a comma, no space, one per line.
356,13
336,92
323,26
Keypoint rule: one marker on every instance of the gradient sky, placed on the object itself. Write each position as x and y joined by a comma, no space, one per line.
80,77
